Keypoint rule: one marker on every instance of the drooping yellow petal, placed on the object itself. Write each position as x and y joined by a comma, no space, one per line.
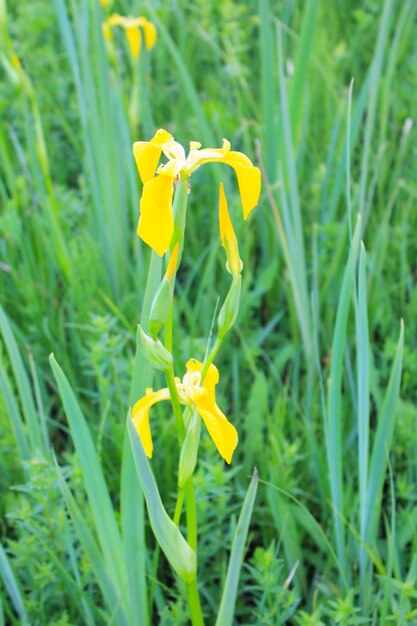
248,176
134,39
149,32
222,432
140,416
106,30
156,222
248,179
227,236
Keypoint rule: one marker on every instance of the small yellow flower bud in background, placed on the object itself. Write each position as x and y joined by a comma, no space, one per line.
154,351
230,309
234,263
189,450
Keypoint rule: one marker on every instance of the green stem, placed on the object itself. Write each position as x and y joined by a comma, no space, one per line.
210,358
192,589
194,604
178,506
175,401
180,210
191,514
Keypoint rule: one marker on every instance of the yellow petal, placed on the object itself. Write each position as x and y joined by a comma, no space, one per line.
227,236
222,432
134,39
193,365
106,31
248,176
118,20
147,153
211,378
140,417
149,32
156,222
249,181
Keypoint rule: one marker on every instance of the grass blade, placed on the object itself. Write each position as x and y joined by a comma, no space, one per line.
382,443
11,585
23,386
181,557
269,91
334,442
13,411
302,64
228,601
96,488
184,75
362,357
291,211
110,594
132,508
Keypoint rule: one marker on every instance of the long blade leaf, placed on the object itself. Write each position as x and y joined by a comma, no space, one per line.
227,605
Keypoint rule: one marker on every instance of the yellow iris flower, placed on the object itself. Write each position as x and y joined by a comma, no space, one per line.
156,222
132,26
201,397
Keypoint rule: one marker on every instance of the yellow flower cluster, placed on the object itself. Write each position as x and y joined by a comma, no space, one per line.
156,223
156,227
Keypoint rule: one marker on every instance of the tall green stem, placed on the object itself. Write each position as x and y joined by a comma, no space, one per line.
192,589
180,211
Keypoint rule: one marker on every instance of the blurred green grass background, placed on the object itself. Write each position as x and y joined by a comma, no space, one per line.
318,375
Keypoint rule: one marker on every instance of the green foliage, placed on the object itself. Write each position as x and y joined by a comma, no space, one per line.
315,374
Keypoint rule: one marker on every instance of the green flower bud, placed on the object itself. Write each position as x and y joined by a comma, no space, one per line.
230,309
160,307
189,450
154,351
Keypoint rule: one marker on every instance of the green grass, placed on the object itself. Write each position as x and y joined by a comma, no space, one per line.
319,372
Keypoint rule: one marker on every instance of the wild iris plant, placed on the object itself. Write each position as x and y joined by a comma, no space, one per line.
163,210
139,33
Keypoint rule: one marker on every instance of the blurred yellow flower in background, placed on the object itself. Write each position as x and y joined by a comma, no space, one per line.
132,26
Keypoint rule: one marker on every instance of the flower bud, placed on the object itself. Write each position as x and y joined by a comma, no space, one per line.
234,263
189,450
162,301
154,351
160,307
230,309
